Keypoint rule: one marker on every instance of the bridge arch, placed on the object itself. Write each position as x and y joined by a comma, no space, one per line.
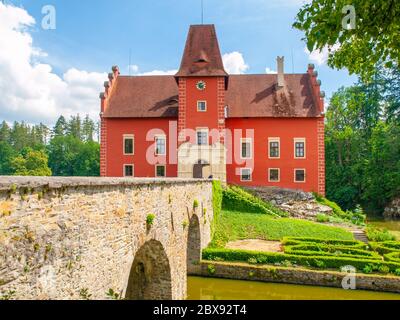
150,274
193,253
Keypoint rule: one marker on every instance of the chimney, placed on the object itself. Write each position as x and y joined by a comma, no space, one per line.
281,77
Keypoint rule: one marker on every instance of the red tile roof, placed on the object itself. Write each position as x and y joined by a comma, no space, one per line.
143,97
258,96
247,96
202,56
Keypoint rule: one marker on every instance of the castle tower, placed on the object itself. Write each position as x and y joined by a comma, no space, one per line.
202,82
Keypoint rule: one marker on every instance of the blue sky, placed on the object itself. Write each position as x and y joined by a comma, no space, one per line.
93,35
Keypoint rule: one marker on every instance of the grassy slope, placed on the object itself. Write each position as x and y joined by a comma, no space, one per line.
238,225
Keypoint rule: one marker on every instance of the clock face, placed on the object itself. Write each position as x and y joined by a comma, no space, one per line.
201,85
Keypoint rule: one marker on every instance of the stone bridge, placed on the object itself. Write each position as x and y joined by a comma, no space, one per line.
77,238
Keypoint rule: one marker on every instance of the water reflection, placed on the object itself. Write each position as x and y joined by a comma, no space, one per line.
223,289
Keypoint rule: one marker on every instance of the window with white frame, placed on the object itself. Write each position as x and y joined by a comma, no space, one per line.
129,146
299,175
161,171
274,148
299,148
274,175
128,170
245,174
201,106
202,136
161,142
246,148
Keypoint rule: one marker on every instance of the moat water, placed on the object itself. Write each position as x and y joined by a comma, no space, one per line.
391,225
222,289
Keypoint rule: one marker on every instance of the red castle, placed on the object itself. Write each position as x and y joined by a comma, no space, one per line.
251,130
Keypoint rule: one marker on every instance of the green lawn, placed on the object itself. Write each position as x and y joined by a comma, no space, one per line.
238,225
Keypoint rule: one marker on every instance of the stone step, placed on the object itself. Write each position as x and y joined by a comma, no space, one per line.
360,235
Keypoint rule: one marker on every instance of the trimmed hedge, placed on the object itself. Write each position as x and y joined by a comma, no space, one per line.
236,199
302,240
321,262
393,256
333,254
309,249
385,247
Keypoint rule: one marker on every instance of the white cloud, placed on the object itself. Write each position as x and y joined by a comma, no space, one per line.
158,73
134,70
270,71
234,63
30,90
320,57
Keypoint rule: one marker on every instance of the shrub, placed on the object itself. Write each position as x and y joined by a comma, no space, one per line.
84,294
379,235
397,272
357,216
252,260
322,218
211,269
287,263
150,219
195,203
384,269
236,199
312,261
320,264
217,203
113,295
367,269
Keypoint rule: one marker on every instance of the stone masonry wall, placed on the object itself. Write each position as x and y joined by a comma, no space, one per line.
68,238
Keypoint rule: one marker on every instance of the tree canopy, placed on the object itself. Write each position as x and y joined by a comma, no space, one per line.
375,37
362,143
68,149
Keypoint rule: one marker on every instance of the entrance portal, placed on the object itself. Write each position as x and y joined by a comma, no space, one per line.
201,170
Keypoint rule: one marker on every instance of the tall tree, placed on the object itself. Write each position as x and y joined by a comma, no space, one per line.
74,127
4,132
88,129
60,127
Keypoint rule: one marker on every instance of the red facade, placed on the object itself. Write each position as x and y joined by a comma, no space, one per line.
273,133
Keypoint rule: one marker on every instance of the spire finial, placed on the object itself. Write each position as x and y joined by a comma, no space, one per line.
202,11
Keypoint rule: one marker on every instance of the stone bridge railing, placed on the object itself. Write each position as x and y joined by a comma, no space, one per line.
77,238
